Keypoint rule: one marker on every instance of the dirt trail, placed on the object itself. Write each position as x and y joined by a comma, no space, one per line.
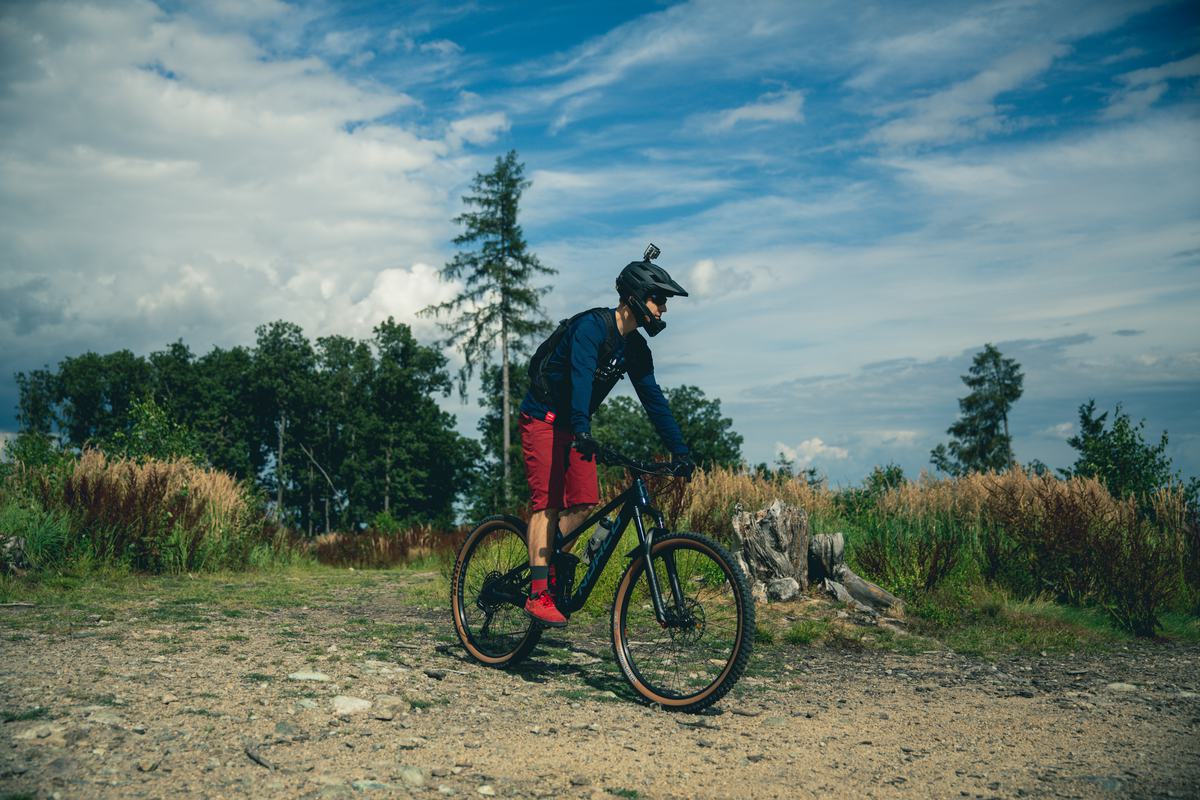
187,693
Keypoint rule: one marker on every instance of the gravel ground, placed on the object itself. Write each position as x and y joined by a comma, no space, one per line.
250,690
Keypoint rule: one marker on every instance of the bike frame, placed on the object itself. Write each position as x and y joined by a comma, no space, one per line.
635,505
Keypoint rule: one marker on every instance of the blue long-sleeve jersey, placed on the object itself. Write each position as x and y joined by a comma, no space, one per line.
571,372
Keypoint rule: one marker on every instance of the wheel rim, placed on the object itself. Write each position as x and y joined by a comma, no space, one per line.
493,580
686,659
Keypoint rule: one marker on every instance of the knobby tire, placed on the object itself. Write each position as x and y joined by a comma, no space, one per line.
686,668
494,631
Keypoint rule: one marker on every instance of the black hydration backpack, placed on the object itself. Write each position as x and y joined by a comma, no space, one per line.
606,373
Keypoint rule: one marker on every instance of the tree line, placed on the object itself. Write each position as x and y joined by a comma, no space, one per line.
337,433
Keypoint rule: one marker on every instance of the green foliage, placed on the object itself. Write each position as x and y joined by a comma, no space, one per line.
980,440
31,536
623,424
1121,458
333,433
910,555
498,304
386,524
37,712
858,501
153,435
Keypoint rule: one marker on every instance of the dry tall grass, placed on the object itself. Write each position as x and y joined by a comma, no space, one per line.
157,515
376,549
711,497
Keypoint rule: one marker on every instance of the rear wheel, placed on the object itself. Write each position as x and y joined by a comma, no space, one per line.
488,590
692,661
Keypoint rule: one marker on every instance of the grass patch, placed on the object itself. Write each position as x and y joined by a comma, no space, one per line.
764,635
202,712
632,794
424,703
807,631
37,712
257,677
998,626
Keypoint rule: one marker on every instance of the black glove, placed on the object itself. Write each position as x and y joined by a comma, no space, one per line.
586,445
682,465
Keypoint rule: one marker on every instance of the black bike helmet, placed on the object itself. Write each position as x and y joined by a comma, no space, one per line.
642,279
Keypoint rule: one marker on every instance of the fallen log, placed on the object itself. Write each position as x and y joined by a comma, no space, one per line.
827,563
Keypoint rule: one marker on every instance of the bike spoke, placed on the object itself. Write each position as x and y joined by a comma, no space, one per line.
685,658
493,576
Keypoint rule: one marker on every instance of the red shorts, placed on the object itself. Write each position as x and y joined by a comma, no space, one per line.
558,476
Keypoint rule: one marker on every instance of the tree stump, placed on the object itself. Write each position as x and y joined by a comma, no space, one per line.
773,550
827,563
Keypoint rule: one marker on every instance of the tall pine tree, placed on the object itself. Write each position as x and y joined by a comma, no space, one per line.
979,437
498,306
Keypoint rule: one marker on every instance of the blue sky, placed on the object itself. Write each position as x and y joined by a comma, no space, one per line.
859,196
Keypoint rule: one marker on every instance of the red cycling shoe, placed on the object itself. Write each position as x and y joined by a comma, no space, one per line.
542,609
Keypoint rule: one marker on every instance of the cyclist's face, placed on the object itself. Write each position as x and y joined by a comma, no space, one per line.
657,306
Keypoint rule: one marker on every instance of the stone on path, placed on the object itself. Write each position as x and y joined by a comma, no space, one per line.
1121,687
783,589
387,706
366,786
320,677
343,704
44,733
486,790
412,776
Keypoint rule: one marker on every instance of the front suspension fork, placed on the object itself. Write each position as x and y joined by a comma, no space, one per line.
665,617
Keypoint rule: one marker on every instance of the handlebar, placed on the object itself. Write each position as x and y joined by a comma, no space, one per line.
607,455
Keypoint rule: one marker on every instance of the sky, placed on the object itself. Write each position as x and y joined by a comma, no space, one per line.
858,196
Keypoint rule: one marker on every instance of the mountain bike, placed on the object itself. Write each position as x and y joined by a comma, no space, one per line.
682,618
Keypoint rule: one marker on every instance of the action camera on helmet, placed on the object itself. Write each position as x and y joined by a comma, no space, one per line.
642,279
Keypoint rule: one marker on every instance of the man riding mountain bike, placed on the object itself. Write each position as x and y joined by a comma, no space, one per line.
570,376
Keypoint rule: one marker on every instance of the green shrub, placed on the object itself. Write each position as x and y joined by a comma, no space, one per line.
32,537
910,555
1136,569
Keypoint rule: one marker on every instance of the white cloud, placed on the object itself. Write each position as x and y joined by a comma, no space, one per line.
708,280
968,109
479,129
214,190
810,450
898,437
401,294
774,107
1063,430
441,47
569,193
1144,87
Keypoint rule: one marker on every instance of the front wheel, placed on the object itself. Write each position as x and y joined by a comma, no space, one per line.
488,590
695,658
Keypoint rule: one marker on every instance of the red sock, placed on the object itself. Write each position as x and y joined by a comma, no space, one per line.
537,586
